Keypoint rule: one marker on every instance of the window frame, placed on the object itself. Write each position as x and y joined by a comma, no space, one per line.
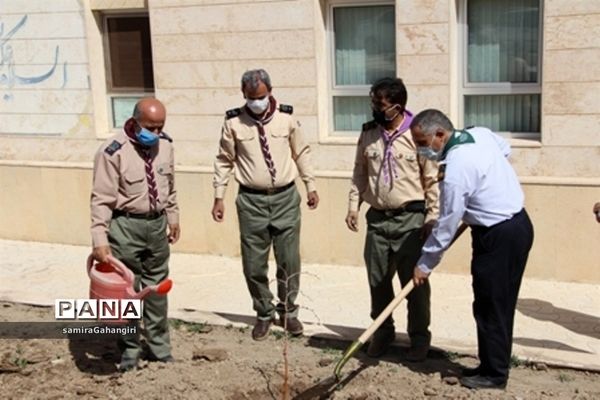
334,90
467,88
111,92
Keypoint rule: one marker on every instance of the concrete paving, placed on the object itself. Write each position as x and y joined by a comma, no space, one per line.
556,322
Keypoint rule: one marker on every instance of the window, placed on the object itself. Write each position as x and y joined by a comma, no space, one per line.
363,49
128,55
502,59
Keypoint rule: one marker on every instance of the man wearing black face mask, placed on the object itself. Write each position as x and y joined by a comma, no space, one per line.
264,146
401,188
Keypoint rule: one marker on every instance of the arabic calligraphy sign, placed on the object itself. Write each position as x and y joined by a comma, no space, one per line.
9,77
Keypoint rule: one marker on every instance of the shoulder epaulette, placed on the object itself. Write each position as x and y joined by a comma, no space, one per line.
234,112
112,148
164,135
286,109
367,126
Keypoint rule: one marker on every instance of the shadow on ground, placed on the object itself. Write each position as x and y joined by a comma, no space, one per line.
547,344
95,355
438,361
583,324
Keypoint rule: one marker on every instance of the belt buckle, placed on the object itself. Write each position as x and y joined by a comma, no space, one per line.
271,190
388,213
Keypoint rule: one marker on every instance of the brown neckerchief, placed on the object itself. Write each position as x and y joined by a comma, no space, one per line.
264,145
147,154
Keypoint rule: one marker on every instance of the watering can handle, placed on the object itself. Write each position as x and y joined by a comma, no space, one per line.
118,265
90,263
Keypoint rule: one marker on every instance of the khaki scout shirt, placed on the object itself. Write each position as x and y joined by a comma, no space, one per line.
417,176
240,148
120,183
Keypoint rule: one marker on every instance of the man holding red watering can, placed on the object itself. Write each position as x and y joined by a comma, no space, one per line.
135,216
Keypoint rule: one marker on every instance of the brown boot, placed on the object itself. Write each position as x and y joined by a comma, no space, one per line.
261,329
292,325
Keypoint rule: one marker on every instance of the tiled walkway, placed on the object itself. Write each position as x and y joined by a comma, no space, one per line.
556,322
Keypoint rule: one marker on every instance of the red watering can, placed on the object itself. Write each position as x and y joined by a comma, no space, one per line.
113,280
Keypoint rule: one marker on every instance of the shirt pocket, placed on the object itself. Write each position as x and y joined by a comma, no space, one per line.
372,155
165,175
134,181
407,161
407,156
280,134
244,136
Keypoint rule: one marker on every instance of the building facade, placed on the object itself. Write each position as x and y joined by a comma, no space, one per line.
71,70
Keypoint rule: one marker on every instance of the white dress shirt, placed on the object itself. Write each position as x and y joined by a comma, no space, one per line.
480,187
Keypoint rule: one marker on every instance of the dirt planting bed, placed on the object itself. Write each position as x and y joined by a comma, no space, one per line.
215,362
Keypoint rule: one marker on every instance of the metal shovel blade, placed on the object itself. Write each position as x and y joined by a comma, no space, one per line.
357,344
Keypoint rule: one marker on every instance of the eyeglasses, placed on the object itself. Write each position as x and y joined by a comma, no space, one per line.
376,107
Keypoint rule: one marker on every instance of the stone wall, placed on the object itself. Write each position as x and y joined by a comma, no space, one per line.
53,114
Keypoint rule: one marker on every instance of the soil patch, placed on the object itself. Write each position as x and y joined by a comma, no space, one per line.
216,362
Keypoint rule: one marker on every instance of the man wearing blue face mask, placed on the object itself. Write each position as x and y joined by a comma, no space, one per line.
479,186
135,217
264,146
401,189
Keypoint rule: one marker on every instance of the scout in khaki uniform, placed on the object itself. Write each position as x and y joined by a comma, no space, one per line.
263,145
401,189
135,217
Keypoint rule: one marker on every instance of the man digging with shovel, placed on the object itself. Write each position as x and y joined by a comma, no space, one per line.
479,186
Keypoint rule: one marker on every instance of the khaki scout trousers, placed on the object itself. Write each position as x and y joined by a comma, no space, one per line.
266,219
393,245
142,245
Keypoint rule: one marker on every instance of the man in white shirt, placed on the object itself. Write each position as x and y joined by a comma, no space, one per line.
478,186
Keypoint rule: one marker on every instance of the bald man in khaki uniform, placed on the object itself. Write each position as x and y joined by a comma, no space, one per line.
135,216
401,188
264,146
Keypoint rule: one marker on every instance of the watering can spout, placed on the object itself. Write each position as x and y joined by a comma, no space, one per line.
162,288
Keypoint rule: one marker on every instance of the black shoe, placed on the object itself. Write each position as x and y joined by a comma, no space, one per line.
165,359
128,364
417,353
481,382
261,329
380,343
469,372
292,325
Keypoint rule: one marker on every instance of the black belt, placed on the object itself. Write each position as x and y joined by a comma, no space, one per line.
269,191
413,207
150,215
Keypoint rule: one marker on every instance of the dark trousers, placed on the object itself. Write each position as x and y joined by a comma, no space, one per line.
392,247
499,257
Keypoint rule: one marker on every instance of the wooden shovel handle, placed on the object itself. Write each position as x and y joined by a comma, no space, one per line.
386,312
